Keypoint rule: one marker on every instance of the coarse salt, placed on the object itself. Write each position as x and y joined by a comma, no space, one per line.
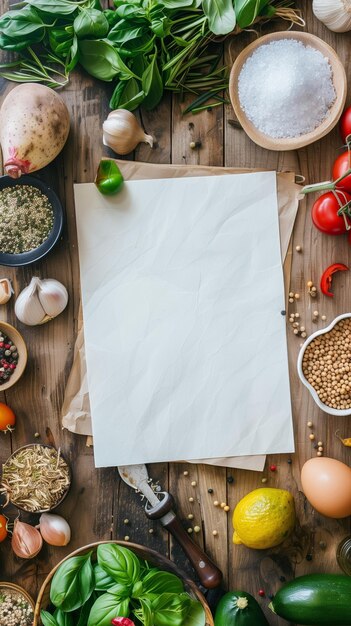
286,88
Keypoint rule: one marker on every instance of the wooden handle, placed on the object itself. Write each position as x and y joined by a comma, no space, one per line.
209,574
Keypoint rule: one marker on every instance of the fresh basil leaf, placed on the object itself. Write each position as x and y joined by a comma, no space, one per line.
102,580
19,24
127,95
123,32
8,43
196,615
90,23
100,59
161,26
220,15
85,610
170,609
106,608
111,17
144,612
73,55
47,619
152,84
63,619
59,7
248,10
158,582
122,591
73,583
176,4
129,10
119,562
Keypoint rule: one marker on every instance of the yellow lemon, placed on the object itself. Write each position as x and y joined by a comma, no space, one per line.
264,518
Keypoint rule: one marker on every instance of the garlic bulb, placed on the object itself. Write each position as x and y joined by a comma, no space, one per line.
122,132
335,14
41,301
6,290
54,529
26,540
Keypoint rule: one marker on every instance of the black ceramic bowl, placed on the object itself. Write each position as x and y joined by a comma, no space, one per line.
25,258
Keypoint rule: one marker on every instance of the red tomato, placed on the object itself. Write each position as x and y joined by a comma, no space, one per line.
3,527
325,213
345,124
7,417
341,165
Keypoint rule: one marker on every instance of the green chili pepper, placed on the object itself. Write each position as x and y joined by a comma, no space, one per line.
108,177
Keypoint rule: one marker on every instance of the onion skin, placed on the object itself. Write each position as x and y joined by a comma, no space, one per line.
34,126
54,529
26,540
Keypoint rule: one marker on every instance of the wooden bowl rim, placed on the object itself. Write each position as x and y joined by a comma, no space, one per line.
132,546
17,338
42,445
289,143
23,592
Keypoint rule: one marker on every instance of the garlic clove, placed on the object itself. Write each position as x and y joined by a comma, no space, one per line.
335,14
53,296
122,132
54,529
6,290
27,306
26,540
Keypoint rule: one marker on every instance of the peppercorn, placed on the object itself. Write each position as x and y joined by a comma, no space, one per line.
282,312
289,461
230,479
273,468
282,579
309,557
261,593
210,490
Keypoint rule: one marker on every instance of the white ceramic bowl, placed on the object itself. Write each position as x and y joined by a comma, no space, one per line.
324,407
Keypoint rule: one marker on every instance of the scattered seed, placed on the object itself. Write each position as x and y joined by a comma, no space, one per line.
320,443
261,593
309,424
193,483
309,284
215,533
230,479
263,480
126,521
315,313
319,453
291,294
226,508
273,468
320,448
126,538
291,300
151,530
323,318
312,436
297,296
302,328
314,289
223,504
197,529
297,315
192,145
36,435
309,557
298,249
190,516
190,530
282,312
186,473
296,331
289,461
304,335
191,499
210,490
216,503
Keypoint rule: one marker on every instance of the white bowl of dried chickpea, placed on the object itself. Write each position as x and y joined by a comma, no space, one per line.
324,366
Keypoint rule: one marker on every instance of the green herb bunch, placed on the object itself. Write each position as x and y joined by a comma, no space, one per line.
143,46
119,584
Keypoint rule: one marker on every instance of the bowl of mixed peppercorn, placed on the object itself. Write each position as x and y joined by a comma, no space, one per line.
31,220
13,356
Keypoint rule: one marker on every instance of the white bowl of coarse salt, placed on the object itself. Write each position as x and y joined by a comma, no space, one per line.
288,89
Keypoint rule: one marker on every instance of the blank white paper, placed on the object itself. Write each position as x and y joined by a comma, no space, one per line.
182,291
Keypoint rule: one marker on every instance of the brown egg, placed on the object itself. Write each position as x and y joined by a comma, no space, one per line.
327,486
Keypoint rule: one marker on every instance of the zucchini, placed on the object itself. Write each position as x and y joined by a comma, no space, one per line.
238,608
315,600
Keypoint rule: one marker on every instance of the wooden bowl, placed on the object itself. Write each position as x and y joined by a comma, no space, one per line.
12,587
143,552
290,143
18,340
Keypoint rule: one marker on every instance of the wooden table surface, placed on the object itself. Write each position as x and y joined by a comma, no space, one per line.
98,502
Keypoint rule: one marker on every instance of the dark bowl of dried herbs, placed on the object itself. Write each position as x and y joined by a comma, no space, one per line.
31,220
35,478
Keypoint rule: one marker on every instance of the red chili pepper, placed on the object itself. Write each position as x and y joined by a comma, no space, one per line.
326,280
122,621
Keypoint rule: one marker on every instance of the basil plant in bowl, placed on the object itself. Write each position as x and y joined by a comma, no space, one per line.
114,579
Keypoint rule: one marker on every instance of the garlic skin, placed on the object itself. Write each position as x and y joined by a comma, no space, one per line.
335,14
41,301
6,290
122,132
54,529
26,540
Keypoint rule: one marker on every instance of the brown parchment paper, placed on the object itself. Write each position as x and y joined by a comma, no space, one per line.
76,409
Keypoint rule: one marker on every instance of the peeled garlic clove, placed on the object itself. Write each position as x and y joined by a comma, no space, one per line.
53,296
54,529
26,540
5,290
27,307
122,132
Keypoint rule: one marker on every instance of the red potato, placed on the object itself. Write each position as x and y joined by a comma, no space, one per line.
34,126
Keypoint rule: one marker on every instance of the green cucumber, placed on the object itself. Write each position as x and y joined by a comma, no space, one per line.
315,600
238,608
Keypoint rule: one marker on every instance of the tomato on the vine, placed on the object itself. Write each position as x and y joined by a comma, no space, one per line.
325,213
7,417
345,124
340,167
3,527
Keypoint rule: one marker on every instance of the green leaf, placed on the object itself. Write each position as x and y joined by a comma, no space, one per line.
152,84
90,23
177,4
8,43
19,24
123,31
85,610
220,15
158,582
170,609
59,7
100,59
106,608
144,612
248,10
63,619
102,580
127,95
48,619
73,583
73,55
119,562
196,615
